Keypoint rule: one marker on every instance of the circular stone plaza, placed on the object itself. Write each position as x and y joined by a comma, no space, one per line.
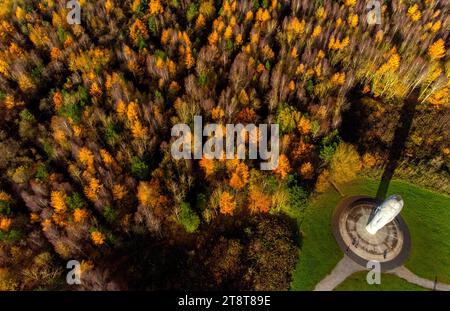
389,246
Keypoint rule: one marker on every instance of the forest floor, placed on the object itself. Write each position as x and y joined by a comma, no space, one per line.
426,214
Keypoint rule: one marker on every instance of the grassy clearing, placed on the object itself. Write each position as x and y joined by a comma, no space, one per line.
426,213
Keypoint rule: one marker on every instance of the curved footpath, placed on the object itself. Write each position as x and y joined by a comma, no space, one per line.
404,273
343,269
347,267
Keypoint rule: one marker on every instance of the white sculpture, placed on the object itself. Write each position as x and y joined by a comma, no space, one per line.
385,213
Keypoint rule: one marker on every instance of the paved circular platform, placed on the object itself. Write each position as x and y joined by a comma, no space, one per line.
389,246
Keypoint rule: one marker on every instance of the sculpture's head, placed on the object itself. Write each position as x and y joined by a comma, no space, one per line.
398,199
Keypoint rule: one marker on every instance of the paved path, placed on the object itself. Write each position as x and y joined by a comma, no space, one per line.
407,275
347,267
343,269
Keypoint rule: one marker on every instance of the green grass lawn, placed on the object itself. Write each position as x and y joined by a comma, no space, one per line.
388,283
426,213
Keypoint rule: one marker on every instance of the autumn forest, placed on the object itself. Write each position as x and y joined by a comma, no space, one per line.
86,112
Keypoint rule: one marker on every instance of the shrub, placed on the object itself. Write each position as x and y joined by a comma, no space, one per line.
5,207
201,201
139,168
75,201
297,202
327,152
110,214
42,172
188,218
10,236
192,12
27,127
328,146
112,133
287,118
73,111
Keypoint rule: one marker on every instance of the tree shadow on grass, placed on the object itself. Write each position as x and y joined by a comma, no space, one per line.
398,144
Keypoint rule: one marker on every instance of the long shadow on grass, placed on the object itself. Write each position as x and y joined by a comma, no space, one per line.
398,144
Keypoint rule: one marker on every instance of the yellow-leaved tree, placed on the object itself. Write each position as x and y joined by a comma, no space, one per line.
227,203
437,49
345,164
